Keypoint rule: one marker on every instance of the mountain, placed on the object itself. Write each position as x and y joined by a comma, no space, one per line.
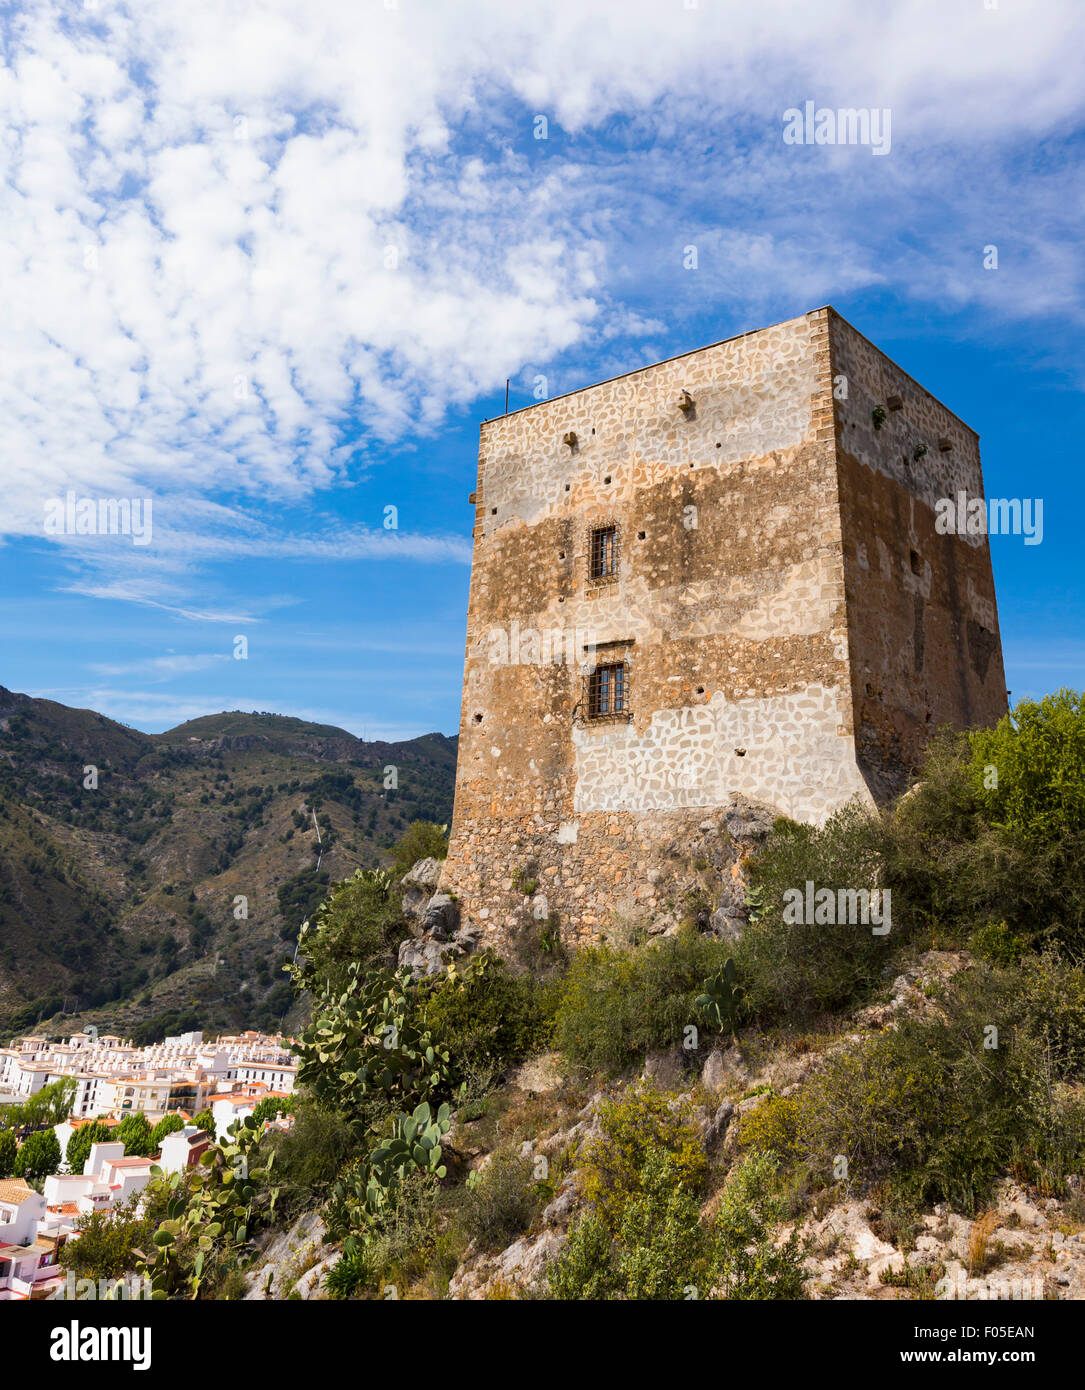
158,880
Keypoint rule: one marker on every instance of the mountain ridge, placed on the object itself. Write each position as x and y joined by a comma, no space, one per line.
125,856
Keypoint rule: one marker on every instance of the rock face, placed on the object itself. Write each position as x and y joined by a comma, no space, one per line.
440,917
418,886
724,1070
434,921
666,1068
289,1258
909,996
516,1272
1013,1252
426,957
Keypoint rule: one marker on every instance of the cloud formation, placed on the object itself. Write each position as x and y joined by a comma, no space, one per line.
244,245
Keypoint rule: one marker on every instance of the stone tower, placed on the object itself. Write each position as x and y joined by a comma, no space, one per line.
706,583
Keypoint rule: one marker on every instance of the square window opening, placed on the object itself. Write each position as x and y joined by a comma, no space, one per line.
607,691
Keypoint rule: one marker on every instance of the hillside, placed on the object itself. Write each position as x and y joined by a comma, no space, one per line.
120,902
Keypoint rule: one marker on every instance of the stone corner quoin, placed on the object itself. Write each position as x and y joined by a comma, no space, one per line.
740,543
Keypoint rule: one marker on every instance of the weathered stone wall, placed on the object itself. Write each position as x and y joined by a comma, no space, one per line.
747,521
922,622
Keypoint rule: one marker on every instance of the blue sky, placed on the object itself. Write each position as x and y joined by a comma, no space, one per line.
271,265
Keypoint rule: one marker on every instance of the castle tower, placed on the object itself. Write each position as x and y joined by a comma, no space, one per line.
711,580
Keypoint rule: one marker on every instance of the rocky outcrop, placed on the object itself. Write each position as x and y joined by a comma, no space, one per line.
419,884
518,1272
288,1258
1020,1249
433,918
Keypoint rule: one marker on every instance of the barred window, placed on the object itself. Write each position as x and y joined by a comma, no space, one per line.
604,551
606,691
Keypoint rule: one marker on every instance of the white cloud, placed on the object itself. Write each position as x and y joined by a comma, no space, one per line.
162,667
202,202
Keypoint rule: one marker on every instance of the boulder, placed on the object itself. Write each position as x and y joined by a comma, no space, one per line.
666,1068
441,916
423,958
563,1204
311,1283
715,1073
419,884
745,820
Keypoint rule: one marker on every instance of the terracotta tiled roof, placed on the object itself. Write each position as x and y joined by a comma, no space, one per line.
15,1190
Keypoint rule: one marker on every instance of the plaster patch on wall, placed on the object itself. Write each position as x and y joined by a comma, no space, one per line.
752,398
793,756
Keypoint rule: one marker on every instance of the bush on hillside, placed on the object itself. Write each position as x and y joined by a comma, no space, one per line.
616,1004
794,969
309,1155
987,850
421,840
361,920
1038,757
483,1013
935,1109
634,1125
501,1203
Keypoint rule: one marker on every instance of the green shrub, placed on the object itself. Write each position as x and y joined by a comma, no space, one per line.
663,1248
798,969
584,1270
616,1004
640,1122
999,867
1046,999
1038,757
501,1204
421,840
954,870
309,1155
361,920
484,1013
935,1110
995,942
405,1243
661,1240
106,1242
745,1260
348,1275
772,1126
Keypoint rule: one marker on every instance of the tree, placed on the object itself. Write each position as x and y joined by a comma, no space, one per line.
49,1106
8,1150
79,1144
38,1156
204,1119
271,1107
1029,771
57,1100
168,1124
106,1243
134,1132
